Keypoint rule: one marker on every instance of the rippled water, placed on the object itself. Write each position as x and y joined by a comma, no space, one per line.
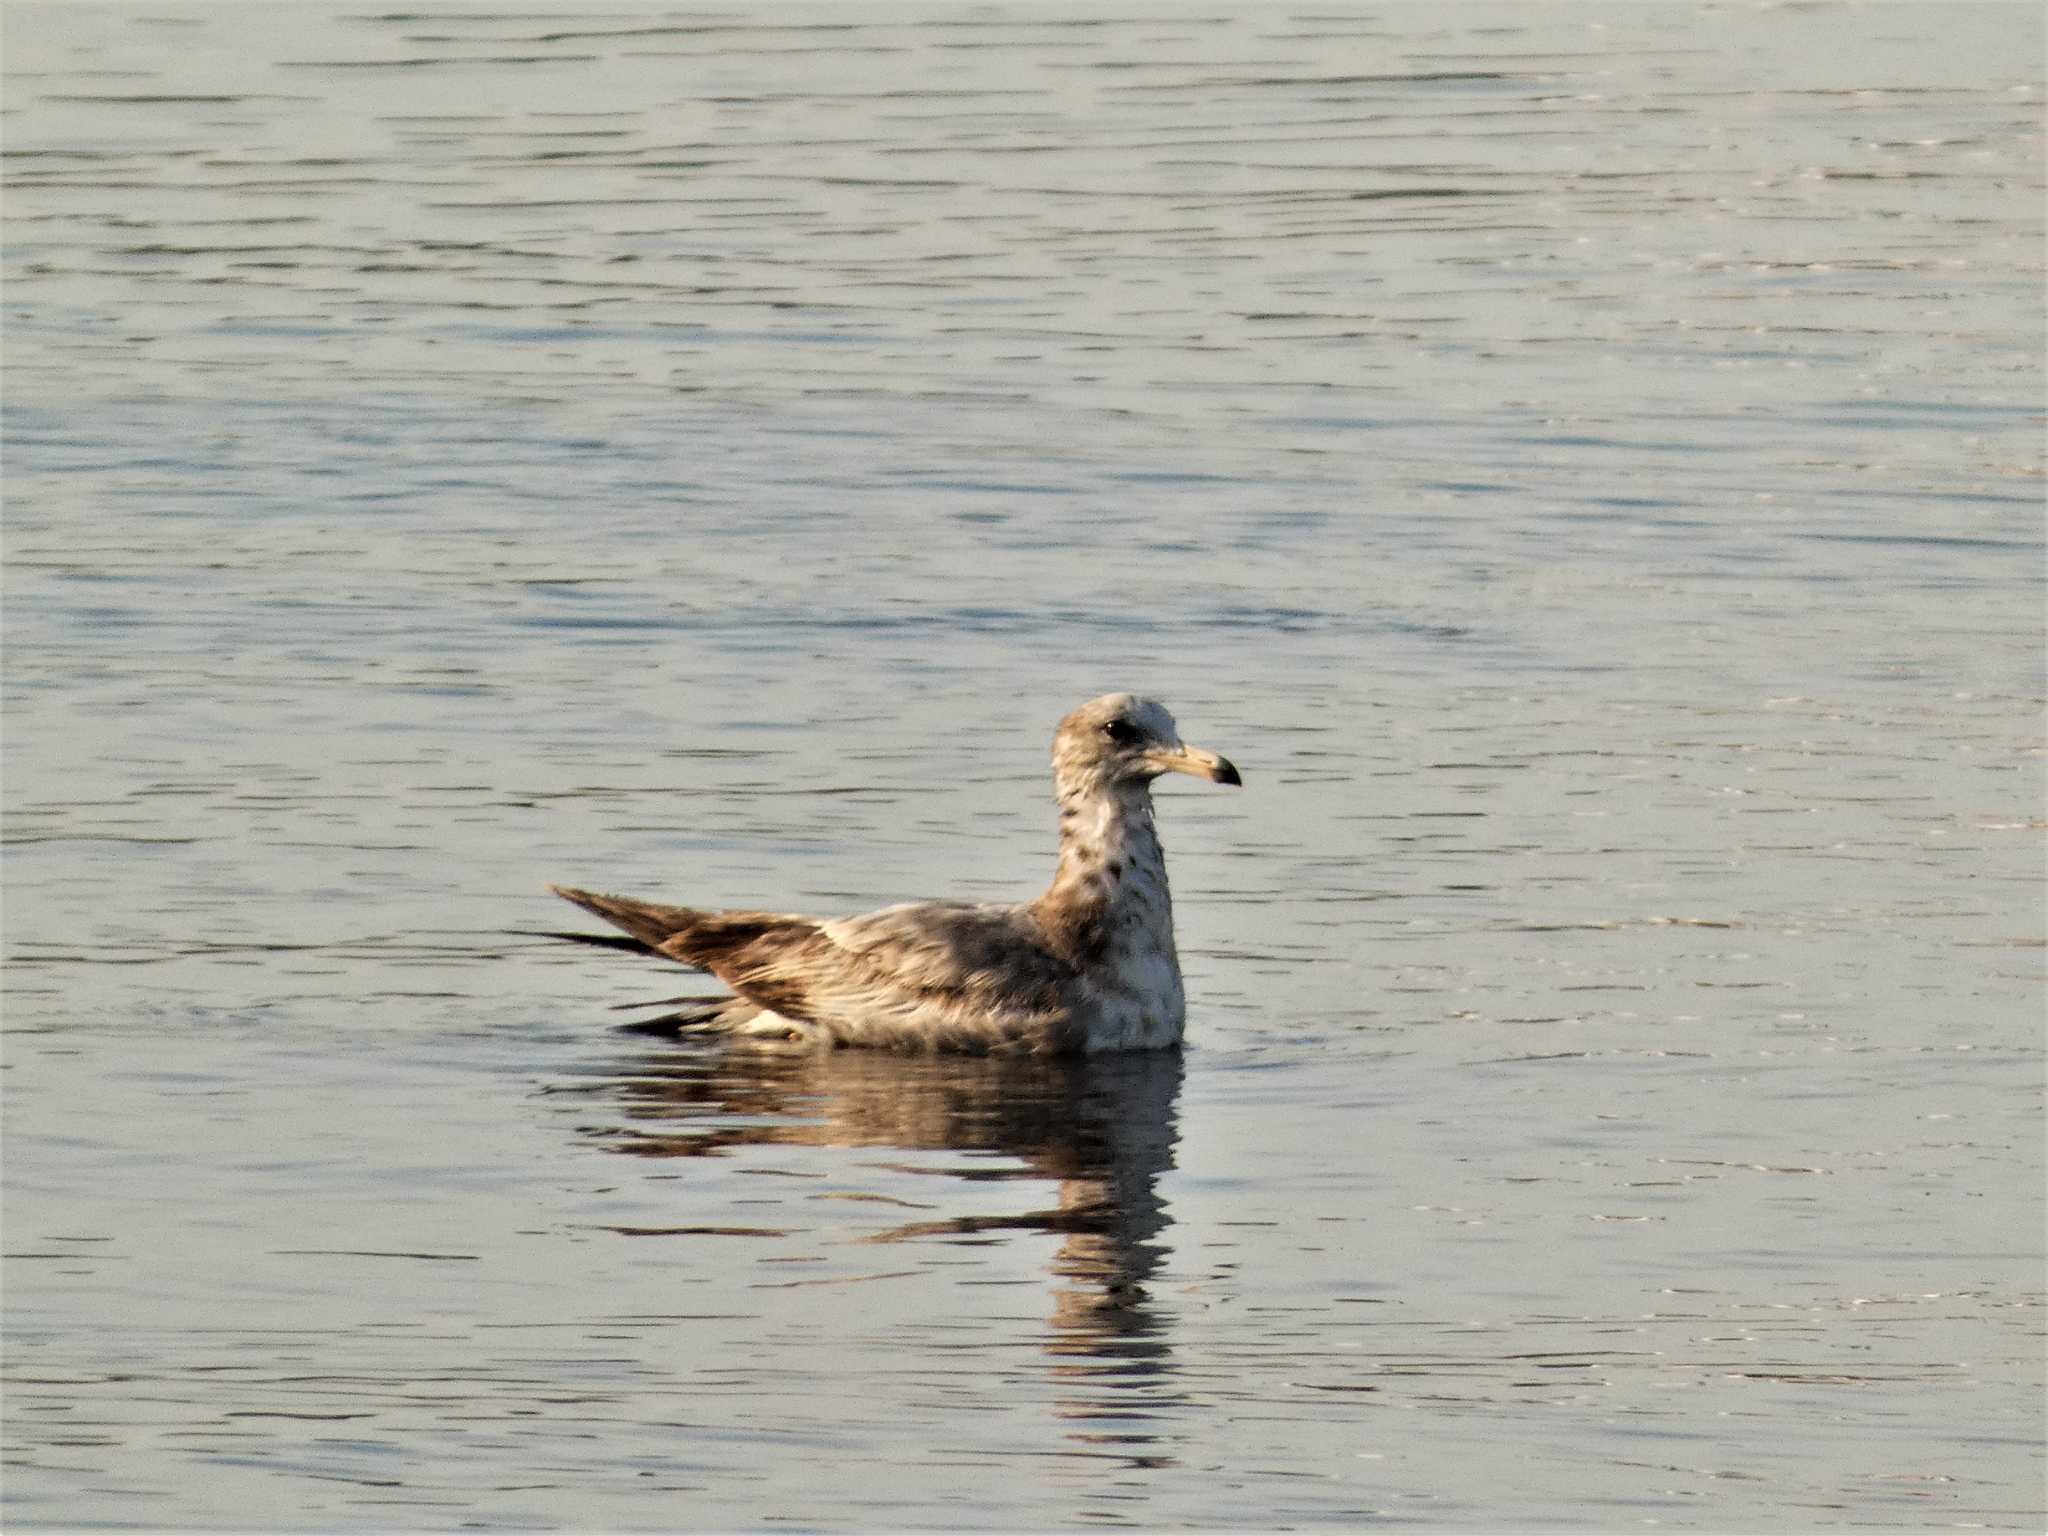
1584,465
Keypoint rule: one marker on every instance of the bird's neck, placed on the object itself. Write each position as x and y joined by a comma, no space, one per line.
1109,891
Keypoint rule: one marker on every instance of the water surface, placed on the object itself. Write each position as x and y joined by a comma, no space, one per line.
1584,466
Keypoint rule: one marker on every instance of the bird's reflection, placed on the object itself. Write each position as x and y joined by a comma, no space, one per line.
1099,1130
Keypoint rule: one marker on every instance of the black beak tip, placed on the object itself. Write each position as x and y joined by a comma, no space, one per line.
1226,773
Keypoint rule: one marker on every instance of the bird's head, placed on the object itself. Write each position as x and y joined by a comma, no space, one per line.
1122,740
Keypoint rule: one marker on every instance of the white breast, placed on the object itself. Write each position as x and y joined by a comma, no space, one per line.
1141,1006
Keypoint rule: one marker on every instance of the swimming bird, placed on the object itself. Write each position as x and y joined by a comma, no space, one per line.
1089,966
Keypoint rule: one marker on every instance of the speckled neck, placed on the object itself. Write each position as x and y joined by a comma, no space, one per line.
1108,895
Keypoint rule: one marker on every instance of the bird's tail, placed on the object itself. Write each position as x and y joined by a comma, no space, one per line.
688,1016
647,921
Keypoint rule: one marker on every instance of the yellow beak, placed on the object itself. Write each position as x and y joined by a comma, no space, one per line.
1203,765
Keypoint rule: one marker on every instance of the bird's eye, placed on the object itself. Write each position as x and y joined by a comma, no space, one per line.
1122,732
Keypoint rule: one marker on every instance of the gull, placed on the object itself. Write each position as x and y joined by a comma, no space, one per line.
1088,967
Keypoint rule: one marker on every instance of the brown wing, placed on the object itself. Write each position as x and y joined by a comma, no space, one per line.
718,942
974,977
650,923
930,974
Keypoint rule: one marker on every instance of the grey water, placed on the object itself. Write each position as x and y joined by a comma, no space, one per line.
1584,464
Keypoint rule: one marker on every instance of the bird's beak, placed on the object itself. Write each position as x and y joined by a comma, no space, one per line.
1203,765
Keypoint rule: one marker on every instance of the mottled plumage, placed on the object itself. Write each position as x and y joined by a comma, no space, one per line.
1089,966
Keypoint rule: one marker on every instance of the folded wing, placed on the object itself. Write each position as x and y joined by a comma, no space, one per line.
926,975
